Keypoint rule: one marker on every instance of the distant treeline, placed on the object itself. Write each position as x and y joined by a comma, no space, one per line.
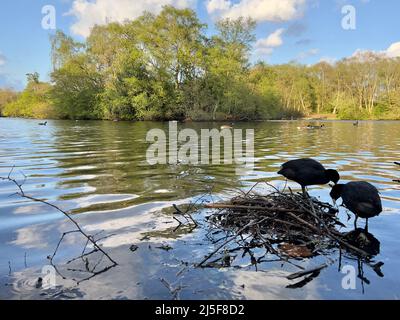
161,67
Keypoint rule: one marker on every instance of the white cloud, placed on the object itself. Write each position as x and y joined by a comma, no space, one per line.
267,45
89,13
273,40
3,59
218,5
392,52
259,10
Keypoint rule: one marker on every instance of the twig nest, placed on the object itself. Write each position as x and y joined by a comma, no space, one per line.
286,225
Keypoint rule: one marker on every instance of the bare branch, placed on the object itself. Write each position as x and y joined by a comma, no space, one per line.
89,238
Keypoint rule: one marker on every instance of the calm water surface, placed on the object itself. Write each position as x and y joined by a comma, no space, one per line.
98,171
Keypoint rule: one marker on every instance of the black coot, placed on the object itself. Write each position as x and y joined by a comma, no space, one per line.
308,172
361,198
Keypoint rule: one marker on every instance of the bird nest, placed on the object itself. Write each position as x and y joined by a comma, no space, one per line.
286,224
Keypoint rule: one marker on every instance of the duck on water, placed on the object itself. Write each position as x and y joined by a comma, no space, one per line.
310,126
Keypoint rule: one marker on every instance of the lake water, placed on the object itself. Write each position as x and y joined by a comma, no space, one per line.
98,171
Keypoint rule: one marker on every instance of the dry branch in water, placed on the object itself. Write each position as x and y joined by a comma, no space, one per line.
90,239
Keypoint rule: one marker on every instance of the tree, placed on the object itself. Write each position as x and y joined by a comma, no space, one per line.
33,102
63,48
33,78
76,79
6,96
165,66
77,85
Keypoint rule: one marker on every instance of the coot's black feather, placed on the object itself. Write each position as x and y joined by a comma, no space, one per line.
362,198
306,172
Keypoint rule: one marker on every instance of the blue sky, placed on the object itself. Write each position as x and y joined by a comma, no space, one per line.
306,31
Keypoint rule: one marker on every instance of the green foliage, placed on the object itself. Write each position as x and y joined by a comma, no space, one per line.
33,102
33,77
163,67
6,96
76,89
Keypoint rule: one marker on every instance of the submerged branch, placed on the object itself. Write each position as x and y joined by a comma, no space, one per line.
89,238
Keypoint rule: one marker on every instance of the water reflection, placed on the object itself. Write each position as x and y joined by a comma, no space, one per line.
370,245
99,171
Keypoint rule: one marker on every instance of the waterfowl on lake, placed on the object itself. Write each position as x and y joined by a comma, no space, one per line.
361,198
315,127
308,172
355,123
310,127
43,123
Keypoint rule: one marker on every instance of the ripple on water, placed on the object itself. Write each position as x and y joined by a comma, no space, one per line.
99,167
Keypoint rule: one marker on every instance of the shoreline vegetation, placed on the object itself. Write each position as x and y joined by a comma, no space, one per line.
166,67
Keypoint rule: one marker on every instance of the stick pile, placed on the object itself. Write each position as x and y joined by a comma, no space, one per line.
288,225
